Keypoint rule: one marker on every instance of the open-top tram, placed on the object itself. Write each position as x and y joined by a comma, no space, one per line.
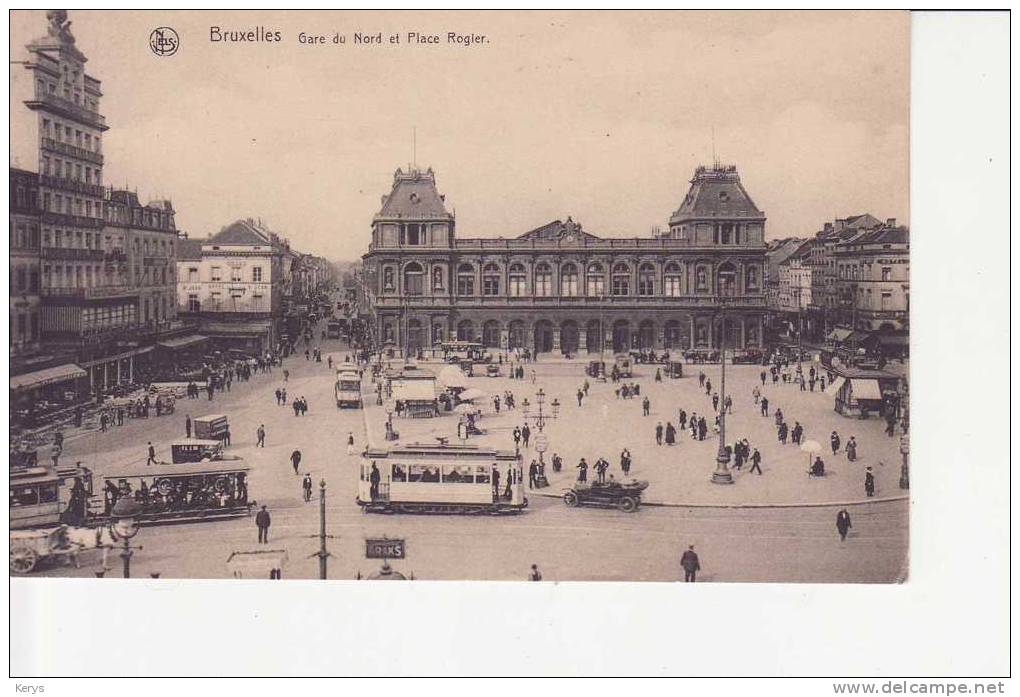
459,479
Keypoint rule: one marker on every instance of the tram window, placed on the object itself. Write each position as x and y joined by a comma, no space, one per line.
482,475
48,493
458,474
27,496
399,473
416,473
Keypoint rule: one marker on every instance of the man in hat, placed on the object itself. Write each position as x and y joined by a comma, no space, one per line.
869,482
843,524
262,521
691,565
306,485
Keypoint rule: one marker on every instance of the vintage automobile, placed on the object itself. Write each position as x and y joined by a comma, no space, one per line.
492,370
625,495
595,369
675,369
624,364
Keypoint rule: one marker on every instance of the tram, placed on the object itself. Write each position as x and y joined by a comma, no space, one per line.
45,496
347,390
457,479
182,492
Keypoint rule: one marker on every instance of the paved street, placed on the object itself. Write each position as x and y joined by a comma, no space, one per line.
768,544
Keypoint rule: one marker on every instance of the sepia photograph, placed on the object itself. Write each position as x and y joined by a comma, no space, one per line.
572,296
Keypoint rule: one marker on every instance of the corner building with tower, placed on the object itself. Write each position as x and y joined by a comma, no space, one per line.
559,289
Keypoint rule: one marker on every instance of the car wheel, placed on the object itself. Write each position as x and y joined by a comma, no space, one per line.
570,498
627,504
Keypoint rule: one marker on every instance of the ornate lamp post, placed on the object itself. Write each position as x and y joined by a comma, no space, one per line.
390,435
722,474
124,527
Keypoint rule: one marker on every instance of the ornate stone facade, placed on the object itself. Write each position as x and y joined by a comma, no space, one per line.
561,289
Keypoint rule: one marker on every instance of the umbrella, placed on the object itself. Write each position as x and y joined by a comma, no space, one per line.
452,377
473,393
466,408
811,447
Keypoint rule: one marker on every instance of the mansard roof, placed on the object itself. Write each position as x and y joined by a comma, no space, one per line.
414,197
716,192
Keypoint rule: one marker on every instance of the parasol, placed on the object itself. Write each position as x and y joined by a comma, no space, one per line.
473,393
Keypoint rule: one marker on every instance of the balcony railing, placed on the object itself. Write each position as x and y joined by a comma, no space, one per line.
72,151
65,184
71,220
69,108
640,243
93,293
73,253
649,301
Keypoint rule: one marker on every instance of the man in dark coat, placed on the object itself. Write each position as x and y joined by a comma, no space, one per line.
582,470
295,460
306,486
495,484
526,434
533,475
658,433
764,406
152,455
869,482
834,442
187,426
691,565
262,521
755,462
843,524
670,433
373,481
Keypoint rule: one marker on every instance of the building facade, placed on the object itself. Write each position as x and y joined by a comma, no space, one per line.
233,283
24,263
873,280
561,289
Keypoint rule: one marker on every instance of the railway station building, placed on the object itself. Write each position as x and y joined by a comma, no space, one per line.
561,289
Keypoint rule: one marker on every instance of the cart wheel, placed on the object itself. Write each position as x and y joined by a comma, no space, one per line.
164,486
23,560
570,498
627,504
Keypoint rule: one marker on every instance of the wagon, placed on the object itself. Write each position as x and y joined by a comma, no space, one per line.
29,547
625,495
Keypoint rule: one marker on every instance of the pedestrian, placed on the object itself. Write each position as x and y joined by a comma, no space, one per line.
152,455
262,521
670,433
102,421
708,387
869,482
279,393
601,465
517,437
495,403
296,405
295,460
658,433
755,462
682,420
226,435
715,402
580,396
843,524
585,387
535,574
646,406
533,475
782,433
286,375
701,379
851,450
798,433
557,462
582,471
625,460
306,485
260,436
495,484
350,443
526,434
702,428
373,482
658,375
834,442
728,404
762,376
764,406
691,564
187,426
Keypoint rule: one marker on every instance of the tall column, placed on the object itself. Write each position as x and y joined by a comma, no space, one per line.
690,337
761,331
743,332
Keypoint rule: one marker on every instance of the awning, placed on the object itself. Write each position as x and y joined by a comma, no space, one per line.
839,335
835,386
865,389
182,341
47,376
415,390
236,328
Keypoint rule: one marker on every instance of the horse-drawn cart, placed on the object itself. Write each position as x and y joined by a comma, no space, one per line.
29,547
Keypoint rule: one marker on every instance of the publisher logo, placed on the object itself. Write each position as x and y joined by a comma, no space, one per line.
163,41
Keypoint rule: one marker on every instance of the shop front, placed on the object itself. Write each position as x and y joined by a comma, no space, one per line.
46,395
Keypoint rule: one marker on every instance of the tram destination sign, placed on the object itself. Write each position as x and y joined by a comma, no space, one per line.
384,548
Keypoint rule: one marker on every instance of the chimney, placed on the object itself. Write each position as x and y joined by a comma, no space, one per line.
828,227
840,223
890,222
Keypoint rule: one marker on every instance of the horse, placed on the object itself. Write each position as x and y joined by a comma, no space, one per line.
83,538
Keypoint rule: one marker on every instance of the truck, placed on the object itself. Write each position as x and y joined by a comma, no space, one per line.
348,387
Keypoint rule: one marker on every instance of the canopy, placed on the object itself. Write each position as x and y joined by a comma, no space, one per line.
210,467
47,376
811,446
452,377
839,334
835,386
466,409
182,341
865,389
414,390
473,393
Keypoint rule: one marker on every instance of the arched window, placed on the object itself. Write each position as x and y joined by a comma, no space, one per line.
726,280
568,280
621,279
465,279
518,281
543,280
490,279
414,279
673,277
646,279
596,281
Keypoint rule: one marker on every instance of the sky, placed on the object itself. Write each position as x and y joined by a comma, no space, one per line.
599,116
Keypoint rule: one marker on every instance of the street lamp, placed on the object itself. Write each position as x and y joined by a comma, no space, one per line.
722,474
390,408
124,527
